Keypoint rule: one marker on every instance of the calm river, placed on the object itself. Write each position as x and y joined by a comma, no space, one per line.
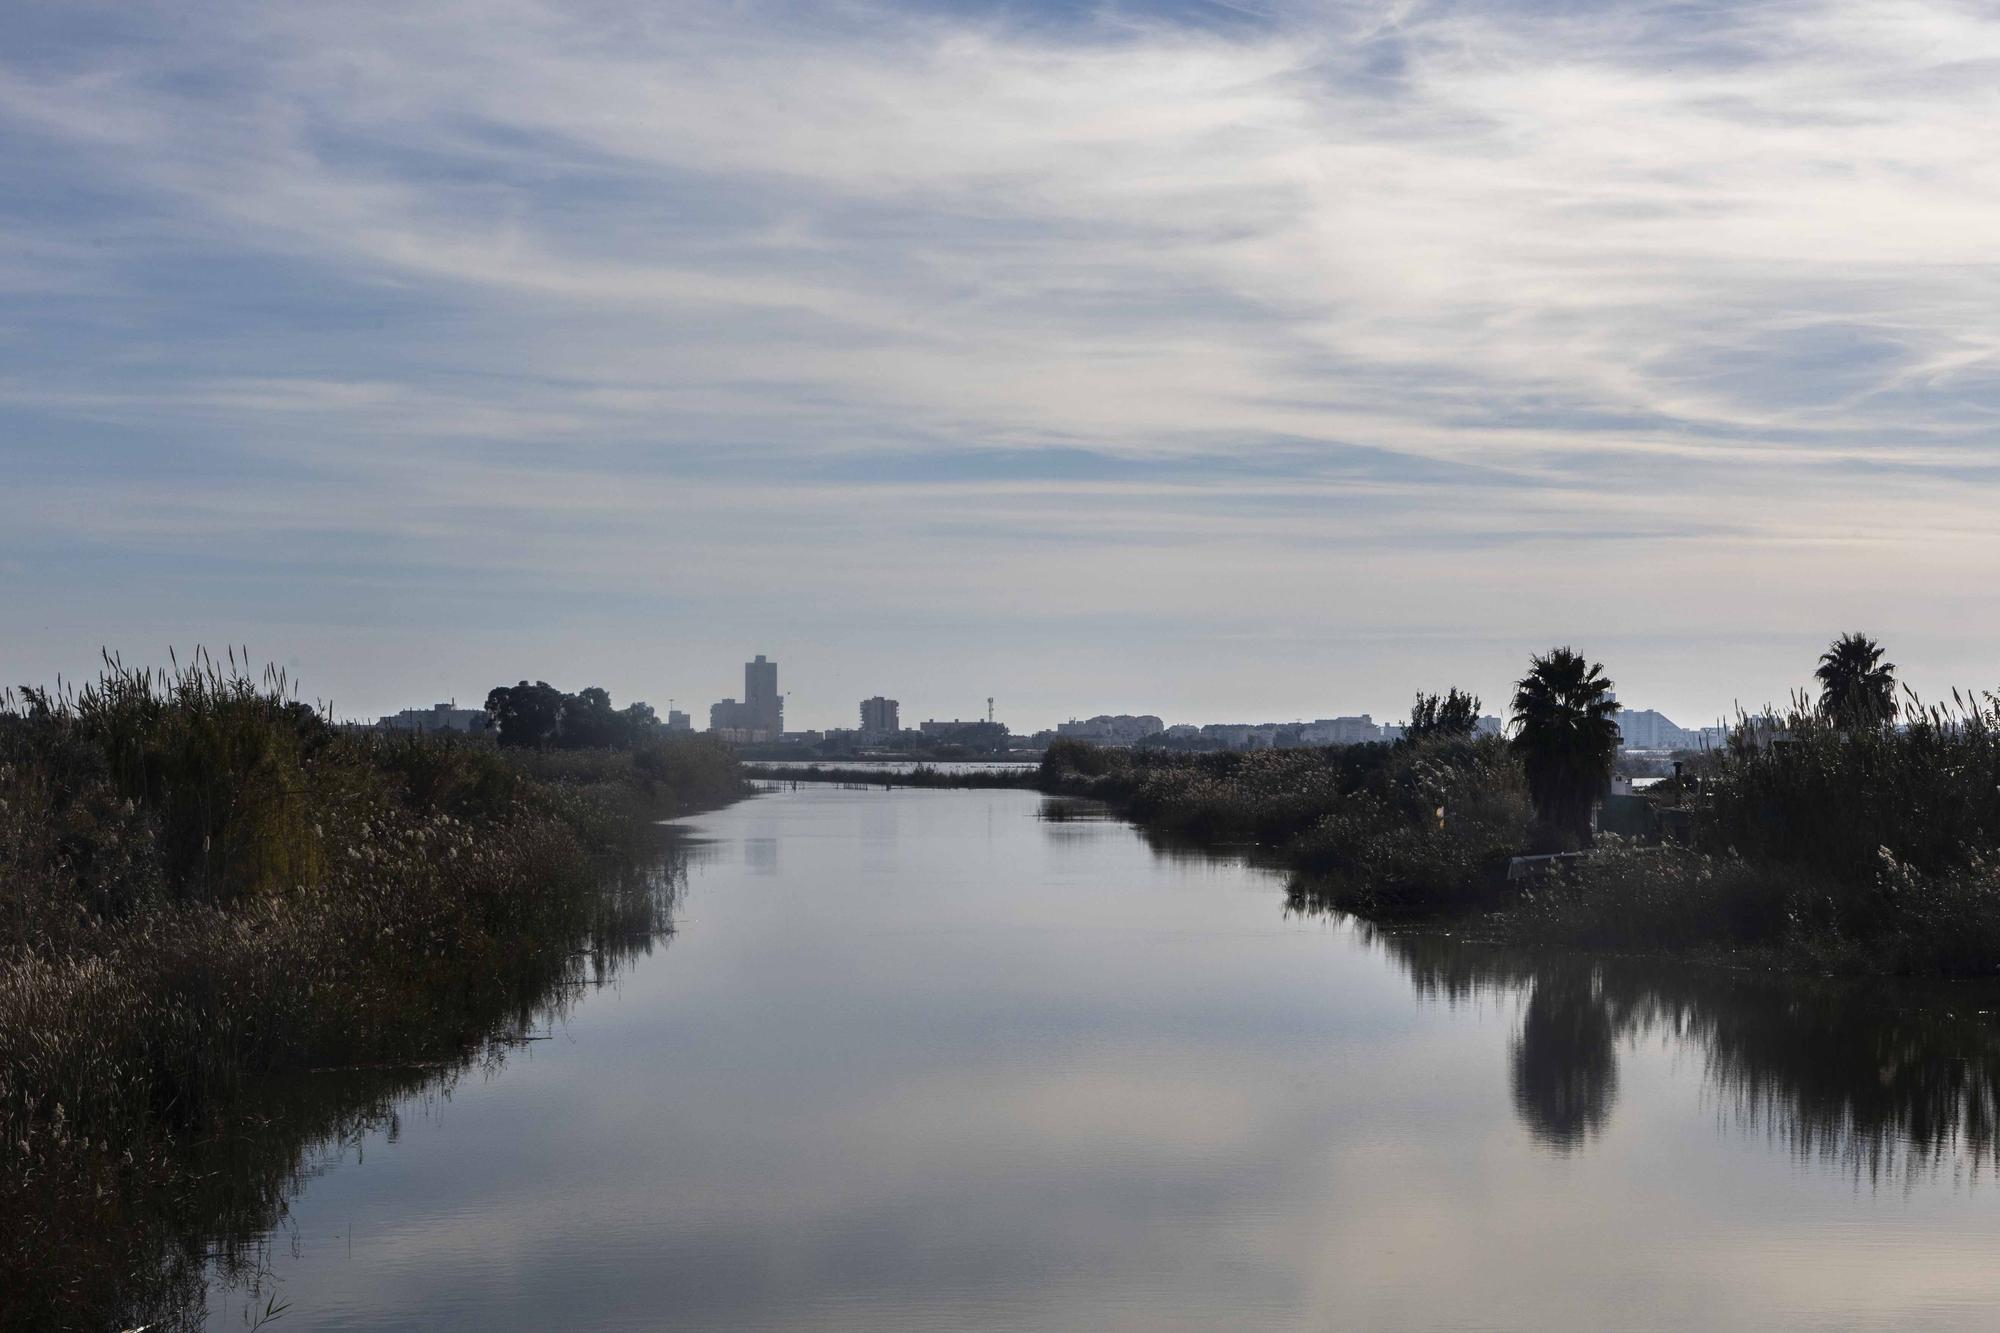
924,1060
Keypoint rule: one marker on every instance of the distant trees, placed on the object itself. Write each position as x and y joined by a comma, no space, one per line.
540,716
1452,716
1857,689
525,714
1565,732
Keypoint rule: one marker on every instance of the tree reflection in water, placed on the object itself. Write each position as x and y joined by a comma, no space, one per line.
1565,1068
1884,1078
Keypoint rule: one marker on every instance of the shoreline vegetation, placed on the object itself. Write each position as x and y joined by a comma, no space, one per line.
1815,842
1858,833
209,893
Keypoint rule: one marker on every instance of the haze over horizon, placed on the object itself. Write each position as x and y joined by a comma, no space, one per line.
1220,361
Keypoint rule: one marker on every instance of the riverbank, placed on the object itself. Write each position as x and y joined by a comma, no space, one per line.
913,1005
1835,851
204,886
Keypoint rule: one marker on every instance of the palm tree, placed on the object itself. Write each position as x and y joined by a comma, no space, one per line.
1856,687
1567,738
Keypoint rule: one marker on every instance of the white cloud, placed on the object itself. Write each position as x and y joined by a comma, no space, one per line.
1677,290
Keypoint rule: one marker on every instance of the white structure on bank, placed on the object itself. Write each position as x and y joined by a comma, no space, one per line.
438,717
1649,729
1110,729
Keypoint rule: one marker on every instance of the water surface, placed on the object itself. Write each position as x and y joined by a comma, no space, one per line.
923,1060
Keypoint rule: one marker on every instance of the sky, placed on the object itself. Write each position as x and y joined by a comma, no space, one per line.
1224,361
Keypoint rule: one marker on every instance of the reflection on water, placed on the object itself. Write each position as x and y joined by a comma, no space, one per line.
1878,1077
924,1060
1565,1070
208,1235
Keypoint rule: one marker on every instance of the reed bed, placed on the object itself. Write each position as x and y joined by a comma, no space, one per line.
204,885
1809,846
1826,848
1389,830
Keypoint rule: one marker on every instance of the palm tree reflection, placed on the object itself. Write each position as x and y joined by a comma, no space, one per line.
1565,1069
1887,1079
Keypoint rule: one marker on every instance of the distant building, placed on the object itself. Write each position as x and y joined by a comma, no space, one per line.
880,717
761,715
1648,729
679,721
977,733
1108,729
438,717
761,697
1340,731
730,720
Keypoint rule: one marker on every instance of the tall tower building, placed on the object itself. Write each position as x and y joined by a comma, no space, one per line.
761,700
878,717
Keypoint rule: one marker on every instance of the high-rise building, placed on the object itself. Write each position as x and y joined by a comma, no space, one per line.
764,707
879,717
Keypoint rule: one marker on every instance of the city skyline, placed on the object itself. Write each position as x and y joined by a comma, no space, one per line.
763,704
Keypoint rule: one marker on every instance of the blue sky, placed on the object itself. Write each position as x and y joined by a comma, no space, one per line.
1217,360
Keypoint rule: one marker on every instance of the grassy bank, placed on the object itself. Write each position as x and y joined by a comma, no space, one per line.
204,887
1859,850
1404,830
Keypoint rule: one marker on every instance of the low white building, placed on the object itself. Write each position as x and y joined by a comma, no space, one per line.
438,717
1649,729
1112,729
1340,731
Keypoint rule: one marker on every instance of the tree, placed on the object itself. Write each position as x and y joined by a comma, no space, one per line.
1567,738
589,721
1450,717
542,716
1857,688
524,714
638,723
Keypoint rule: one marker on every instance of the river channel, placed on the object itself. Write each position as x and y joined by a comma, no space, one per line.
929,1060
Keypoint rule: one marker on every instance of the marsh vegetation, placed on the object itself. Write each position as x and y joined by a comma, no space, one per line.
1846,833
204,886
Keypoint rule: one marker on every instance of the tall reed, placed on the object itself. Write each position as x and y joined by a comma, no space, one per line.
204,884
